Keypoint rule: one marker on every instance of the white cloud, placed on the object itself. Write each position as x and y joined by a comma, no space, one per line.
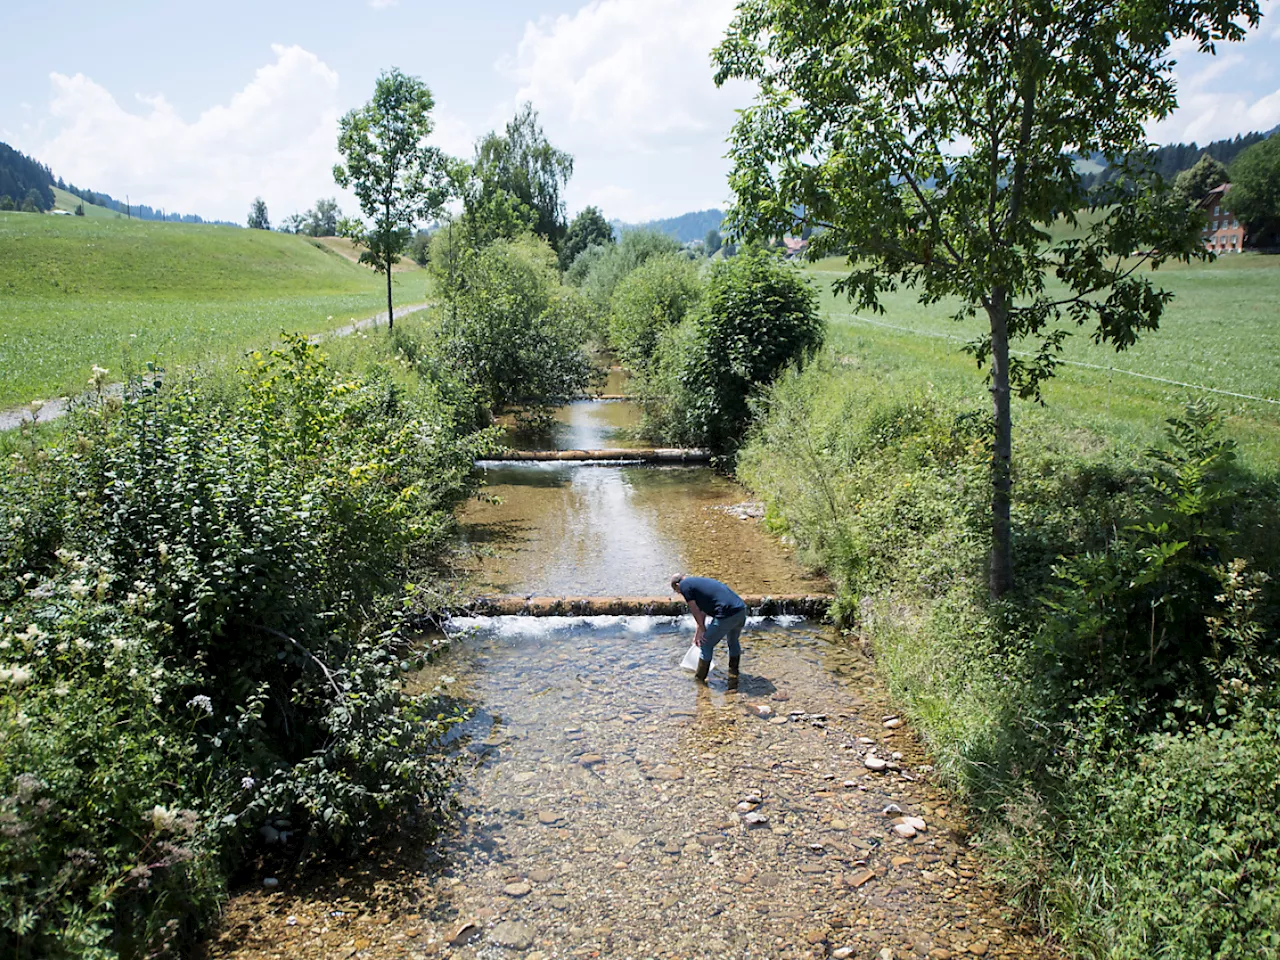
634,71
275,138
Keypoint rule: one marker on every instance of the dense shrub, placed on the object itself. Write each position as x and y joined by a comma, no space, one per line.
655,296
1114,721
759,316
197,584
599,269
513,330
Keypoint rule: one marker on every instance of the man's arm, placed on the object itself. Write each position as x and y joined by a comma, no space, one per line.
701,619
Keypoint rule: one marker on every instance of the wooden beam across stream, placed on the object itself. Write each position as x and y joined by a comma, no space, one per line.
645,455
813,606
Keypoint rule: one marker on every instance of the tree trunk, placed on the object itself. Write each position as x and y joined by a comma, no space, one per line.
1001,450
390,317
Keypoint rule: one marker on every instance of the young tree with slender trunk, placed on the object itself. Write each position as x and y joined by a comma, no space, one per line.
397,177
933,142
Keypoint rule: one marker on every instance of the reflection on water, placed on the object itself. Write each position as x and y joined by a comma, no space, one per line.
573,530
584,425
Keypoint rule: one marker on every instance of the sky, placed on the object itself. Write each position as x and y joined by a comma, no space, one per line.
199,108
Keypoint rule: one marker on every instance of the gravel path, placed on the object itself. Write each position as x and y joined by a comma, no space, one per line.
57,406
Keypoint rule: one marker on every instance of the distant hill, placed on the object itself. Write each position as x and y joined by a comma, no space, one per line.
1170,160
19,174
686,228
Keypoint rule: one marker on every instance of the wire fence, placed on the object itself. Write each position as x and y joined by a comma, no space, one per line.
1070,363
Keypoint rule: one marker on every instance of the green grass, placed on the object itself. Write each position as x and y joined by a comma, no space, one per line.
69,201
78,291
1221,330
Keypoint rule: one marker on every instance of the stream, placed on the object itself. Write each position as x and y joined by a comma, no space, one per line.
611,806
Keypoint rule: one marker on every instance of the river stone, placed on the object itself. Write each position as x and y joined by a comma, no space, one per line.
978,947
842,953
590,759
548,817
874,763
861,877
518,889
512,934
465,933
746,806
893,723
541,875
761,710
755,819
893,810
904,830
666,771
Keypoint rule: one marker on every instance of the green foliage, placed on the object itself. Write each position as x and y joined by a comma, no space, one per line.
6,202
604,267
521,163
652,298
513,330
1254,196
1193,185
713,242
759,317
397,178
1113,722
199,582
588,229
1025,90
258,219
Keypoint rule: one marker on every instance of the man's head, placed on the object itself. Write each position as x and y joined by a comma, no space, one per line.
675,583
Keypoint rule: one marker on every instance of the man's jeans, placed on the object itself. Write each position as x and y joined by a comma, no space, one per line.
728,629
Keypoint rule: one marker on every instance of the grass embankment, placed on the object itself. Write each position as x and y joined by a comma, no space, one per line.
1114,723
78,291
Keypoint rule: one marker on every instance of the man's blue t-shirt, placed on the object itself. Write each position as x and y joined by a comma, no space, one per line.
711,596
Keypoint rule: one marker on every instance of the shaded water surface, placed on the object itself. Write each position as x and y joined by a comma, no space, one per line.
584,425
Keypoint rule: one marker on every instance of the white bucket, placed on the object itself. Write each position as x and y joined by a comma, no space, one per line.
690,661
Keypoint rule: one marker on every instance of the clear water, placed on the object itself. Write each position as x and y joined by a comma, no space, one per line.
585,425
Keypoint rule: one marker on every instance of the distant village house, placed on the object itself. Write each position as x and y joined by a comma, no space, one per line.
1224,233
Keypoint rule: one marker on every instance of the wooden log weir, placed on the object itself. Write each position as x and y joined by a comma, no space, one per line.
644,455
813,606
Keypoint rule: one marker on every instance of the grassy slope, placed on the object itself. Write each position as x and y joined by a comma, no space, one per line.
75,291
1219,331
69,201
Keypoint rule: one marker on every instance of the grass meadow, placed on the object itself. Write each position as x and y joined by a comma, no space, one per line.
1222,330
78,291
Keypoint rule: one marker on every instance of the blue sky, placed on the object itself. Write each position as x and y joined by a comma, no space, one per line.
200,108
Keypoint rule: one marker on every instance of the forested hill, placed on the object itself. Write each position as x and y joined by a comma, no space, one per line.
1172,159
686,228
19,175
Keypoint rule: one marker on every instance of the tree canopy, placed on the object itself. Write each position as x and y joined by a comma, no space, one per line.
522,163
397,177
1193,185
258,219
934,142
1254,196
587,229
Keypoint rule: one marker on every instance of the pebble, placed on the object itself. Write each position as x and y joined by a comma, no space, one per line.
893,723
978,947
270,882
512,934
842,953
590,759
755,819
519,889
666,771
892,810
746,806
874,763
904,830
861,877
761,710
465,933
548,817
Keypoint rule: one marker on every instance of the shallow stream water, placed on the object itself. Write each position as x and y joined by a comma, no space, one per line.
611,807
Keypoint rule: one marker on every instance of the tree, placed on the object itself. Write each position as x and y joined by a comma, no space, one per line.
1193,185
31,202
397,178
606,269
79,209
1254,196
517,331
294,223
588,229
258,219
6,202
654,296
933,140
322,221
522,163
713,242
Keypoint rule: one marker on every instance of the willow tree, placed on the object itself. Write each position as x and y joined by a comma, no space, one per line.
397,177
933,142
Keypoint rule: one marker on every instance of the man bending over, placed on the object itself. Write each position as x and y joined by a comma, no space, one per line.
728,615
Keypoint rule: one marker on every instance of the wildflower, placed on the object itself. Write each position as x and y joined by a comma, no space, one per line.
16,676
99,376
36,406
63,647
247,783
117,644
162,818
78,589
201,702
61,690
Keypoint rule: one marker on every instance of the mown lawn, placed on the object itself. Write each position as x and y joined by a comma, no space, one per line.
1222,330
79,291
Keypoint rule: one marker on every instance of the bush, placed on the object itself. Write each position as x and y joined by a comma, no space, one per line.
603,267
198,585
759,317
1112,723
514,331
652,298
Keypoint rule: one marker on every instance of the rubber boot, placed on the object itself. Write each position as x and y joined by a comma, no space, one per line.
733,673
703,667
